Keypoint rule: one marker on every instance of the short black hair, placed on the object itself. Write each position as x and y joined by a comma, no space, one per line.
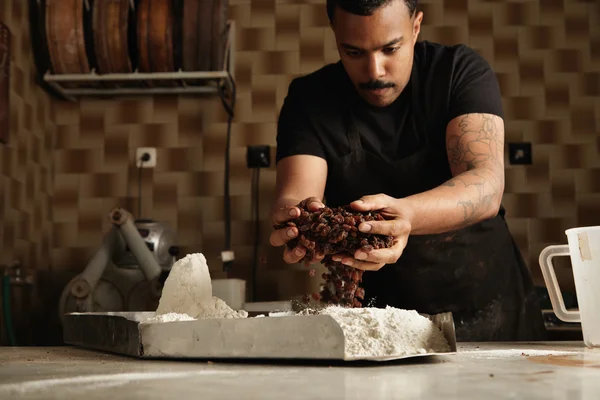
365,7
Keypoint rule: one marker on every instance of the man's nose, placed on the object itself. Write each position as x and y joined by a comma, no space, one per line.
376,67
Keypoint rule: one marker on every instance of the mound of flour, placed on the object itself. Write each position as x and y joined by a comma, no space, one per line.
374,332
187,294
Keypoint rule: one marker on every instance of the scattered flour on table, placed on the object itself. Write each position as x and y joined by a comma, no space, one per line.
510,353
187,294
374,332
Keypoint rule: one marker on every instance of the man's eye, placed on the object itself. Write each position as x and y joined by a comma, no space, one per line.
353,53
390,50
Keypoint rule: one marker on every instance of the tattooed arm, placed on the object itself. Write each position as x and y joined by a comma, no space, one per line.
474,144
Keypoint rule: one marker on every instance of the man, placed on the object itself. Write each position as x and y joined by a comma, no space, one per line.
413,129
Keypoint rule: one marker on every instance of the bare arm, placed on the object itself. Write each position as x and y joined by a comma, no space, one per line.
475,144
299,177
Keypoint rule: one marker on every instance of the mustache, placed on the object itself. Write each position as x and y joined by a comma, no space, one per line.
376,84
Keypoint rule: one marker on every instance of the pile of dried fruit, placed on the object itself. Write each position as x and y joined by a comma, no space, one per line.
332,231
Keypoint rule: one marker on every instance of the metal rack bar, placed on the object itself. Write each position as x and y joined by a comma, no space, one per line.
62,91
152,90
135,76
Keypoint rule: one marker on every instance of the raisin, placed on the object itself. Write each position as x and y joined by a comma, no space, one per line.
330,231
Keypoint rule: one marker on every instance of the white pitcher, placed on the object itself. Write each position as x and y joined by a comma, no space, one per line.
584,250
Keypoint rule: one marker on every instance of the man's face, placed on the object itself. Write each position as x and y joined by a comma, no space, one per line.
377,50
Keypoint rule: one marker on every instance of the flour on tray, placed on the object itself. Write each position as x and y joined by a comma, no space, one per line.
187,294
169,317
379,332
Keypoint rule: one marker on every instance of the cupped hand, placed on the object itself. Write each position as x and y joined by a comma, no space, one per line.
280,237
396,224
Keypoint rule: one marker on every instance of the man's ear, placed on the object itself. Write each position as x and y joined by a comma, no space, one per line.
418,18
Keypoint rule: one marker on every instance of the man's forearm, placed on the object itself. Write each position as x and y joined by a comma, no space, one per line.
299,177
288,201
467,198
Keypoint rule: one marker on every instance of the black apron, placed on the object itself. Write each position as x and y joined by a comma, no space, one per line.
477,272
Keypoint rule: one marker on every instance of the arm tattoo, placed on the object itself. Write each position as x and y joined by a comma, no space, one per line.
476,144
475,155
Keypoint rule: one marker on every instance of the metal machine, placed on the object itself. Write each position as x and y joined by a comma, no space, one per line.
128,270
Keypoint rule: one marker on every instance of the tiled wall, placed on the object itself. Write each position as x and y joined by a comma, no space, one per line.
26,187
546,54
26,162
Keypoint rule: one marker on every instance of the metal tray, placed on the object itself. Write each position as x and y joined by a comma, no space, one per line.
317,337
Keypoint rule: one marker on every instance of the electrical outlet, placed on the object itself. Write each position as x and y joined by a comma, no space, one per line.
520,153
258,157
140,151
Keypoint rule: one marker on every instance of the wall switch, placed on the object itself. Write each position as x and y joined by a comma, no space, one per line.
258,157
139,154
520,153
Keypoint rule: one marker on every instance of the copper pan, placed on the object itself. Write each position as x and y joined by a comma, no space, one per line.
65,34
205,15
143,12
110,27
155,37
189,23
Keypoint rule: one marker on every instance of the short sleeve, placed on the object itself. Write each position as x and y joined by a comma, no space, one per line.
295,132
475,87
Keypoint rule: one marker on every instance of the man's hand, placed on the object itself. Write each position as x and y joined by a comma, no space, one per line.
280,237
396,224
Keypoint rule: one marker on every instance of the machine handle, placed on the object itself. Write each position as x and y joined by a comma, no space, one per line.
137,245
96,266
552,285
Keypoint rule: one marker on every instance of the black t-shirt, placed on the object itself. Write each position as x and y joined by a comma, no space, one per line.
452,80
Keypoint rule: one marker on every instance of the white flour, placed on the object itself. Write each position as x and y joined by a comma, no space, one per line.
187,294
95,382
368,332
373,332
510,353
169,317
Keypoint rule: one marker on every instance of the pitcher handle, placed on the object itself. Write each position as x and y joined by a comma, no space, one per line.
552,285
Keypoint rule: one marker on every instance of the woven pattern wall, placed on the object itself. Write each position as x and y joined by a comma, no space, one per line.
546,54
26,176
